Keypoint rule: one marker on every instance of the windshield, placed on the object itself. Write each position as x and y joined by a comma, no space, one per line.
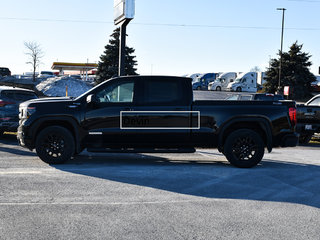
239,78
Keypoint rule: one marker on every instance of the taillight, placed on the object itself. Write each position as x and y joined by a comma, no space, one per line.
293,115
3,103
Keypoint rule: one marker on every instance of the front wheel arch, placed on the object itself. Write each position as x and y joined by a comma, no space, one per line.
55,145
62,121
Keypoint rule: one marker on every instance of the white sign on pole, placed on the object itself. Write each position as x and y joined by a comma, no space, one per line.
123,9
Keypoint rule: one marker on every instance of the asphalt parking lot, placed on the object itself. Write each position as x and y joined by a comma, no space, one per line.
159,196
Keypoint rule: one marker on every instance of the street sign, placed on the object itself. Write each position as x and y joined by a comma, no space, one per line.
123,9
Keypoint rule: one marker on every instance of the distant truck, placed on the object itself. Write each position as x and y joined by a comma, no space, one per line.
194,76
202,82
221,83
245,82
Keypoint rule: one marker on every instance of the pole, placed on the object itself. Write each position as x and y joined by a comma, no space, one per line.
122,47
280,64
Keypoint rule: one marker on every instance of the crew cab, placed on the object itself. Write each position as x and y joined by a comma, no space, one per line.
308,119
154,113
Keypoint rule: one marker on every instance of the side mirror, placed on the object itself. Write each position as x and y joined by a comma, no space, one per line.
90,98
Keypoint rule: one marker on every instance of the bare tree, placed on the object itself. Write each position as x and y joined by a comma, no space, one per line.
35,54
255,69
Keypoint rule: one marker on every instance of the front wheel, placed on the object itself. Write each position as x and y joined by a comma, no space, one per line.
55,145
238,89
218,89
244,148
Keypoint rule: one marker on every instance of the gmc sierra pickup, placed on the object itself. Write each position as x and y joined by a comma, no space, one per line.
150,113
308,119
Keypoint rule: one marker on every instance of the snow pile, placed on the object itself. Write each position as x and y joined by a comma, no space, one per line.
56,87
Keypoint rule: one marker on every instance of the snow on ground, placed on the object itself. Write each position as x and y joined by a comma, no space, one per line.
56,87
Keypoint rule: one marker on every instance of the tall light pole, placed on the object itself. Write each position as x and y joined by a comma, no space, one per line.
280,64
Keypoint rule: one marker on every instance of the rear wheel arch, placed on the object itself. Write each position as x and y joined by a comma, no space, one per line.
260,125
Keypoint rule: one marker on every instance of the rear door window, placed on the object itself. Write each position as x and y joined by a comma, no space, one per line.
162,91
20,96
25,96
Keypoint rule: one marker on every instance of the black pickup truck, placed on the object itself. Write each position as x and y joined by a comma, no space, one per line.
308,119
154,113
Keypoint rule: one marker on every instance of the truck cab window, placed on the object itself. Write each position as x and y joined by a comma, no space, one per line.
117,92
161,91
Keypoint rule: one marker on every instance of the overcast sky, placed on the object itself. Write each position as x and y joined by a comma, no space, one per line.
172,37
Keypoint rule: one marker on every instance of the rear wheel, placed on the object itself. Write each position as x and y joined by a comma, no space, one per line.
244,148
238,89
218,89
55,145
198,88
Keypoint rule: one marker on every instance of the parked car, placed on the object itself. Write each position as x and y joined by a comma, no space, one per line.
308,119
46,74
10,98
257,96
150,113
4,72
315,86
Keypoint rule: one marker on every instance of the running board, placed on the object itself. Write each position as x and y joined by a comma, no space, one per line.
142,150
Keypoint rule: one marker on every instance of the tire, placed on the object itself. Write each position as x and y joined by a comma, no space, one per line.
55,145
244,148
305,138
238,89
198,88
218,89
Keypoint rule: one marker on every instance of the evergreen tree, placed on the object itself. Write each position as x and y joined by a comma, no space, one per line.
109,60
295,73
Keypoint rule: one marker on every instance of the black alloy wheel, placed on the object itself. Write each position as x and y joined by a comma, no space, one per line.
244,148
55,145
